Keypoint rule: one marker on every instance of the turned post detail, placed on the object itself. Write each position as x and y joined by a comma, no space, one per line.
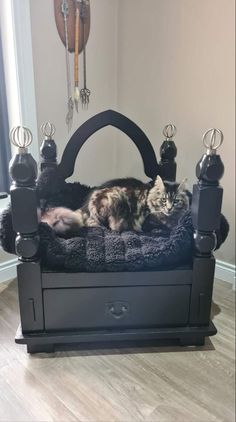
168,152
48,149
206,214
23,170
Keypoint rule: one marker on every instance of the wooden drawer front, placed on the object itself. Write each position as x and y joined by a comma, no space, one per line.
116,307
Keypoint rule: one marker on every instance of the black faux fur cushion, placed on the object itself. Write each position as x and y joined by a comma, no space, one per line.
53,191
99,249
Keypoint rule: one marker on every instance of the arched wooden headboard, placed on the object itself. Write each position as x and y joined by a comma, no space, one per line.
100,120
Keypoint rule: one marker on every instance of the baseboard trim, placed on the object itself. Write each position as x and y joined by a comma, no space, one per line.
225,271
8,270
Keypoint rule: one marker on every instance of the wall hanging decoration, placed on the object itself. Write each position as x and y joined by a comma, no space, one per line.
84,92
73,25
76,56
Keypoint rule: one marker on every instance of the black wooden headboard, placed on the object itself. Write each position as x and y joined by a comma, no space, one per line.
100,120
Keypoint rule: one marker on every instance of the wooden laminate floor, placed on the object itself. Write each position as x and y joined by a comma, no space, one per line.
143,384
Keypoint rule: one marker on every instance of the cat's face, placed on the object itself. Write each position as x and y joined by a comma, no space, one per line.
167,198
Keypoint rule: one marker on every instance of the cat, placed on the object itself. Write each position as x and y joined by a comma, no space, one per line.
123,204
168,201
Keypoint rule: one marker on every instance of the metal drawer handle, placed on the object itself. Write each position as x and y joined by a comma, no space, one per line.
118,309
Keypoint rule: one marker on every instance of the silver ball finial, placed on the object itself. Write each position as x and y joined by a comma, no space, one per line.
169,131
48,129
210,140
21,137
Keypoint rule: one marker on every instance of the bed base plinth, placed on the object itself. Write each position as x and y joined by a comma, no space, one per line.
49,342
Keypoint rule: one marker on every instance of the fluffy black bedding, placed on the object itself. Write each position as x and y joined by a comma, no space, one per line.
97,249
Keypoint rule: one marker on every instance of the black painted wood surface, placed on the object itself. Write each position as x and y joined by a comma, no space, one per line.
138,306
100,121
48,152
23,169
201,294
30,296
45,342
206,214
168,166
56,280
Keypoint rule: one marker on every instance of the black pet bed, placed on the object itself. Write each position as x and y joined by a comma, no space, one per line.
97,249
102,286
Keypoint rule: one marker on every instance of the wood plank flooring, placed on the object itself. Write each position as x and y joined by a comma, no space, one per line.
142,384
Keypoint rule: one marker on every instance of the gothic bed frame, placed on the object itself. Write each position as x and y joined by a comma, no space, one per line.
66,308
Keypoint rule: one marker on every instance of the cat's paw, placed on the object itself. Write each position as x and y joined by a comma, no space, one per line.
91,222
62,220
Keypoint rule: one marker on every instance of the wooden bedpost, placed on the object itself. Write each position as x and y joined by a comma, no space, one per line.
168,152
48,149
23,170
206,214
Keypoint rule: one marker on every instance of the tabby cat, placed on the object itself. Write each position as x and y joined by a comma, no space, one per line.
123,204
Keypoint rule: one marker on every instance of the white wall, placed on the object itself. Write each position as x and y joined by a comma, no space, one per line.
176,64
9,62
96,160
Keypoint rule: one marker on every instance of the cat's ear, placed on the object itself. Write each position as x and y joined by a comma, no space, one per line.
183,185
159,184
